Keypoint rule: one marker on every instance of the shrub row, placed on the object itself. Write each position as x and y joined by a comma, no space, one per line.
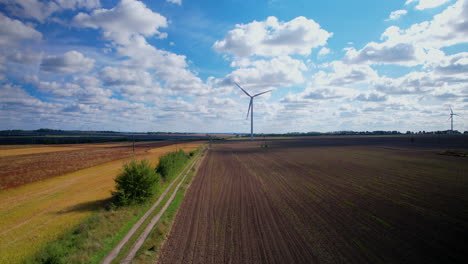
171,163
139,181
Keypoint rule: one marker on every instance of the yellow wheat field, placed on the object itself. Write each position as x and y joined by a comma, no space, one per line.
35,214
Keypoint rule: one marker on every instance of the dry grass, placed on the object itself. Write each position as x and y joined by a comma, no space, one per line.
33,215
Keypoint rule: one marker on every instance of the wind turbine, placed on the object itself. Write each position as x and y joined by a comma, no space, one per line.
251,107
451,119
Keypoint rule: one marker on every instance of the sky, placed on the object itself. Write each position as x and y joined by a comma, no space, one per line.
172,65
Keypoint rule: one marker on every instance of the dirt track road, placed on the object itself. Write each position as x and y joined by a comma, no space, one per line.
321,204
141,239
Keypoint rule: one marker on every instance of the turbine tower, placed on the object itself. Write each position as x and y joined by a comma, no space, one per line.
451,119
251,107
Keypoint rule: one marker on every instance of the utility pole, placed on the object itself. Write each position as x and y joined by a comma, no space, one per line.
133,137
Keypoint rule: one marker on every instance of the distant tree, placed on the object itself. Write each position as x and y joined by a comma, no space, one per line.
47,130
135,184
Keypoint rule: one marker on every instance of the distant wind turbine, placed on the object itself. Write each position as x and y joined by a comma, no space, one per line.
451,119
251,107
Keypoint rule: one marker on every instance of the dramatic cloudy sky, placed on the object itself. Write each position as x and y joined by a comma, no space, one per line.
169,65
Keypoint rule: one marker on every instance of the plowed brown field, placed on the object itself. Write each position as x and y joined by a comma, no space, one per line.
306,201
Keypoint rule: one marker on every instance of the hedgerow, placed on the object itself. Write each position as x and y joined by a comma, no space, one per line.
171,163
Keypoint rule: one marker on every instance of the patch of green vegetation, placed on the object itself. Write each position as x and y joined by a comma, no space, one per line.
89,242
136,184
454,153
126,248
99,233
357,243
149,251
381,221
170,164
349,203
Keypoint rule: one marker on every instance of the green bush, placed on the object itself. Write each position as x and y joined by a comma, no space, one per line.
135,184
53,254
170,164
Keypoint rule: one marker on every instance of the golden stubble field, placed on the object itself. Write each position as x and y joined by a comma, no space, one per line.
32,215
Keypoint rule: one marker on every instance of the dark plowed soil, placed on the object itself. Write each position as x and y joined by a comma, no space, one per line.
301,202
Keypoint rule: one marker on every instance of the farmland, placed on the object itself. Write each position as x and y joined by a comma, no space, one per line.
325,200
34,214
25,164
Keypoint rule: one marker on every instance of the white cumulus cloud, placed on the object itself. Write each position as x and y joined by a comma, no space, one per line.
454,64
395,15
260,74
384,53
341,74
412,83
77,4
125,76
70,62
41,10
13,31
324,51
274,38
446,29
418,44
372,97
424,4
177,2
127,26
125,21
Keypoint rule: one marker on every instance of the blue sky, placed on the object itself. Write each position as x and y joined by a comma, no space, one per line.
170,65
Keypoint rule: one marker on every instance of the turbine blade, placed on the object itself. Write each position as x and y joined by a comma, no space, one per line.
456,114
262,93
250,106
243,90
451,110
